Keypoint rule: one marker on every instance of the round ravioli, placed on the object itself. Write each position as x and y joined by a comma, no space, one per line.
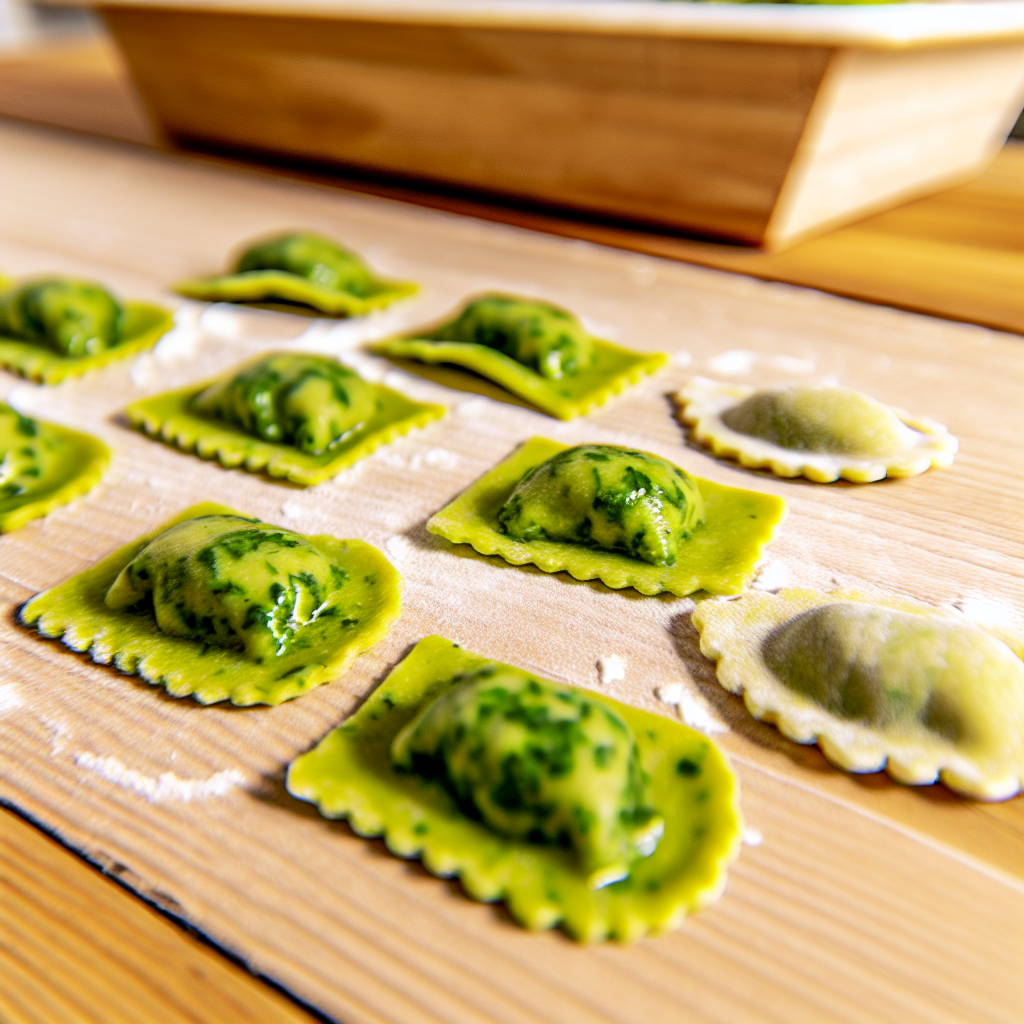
888,684
818,431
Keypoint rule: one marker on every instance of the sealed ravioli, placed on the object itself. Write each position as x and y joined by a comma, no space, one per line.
888,684
58,327
43,466
626,517
571,807
535,350
817,431
225,607
301,417
300,271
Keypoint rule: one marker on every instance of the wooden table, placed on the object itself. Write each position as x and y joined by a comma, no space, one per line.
866,901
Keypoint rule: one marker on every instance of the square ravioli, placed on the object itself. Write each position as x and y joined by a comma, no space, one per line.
300,272
534,350
221,606
47,333
719,554
43,467
274,415
690,787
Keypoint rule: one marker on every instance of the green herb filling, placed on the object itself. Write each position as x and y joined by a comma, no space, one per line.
73,318
310,402
607,497
537,761
548,340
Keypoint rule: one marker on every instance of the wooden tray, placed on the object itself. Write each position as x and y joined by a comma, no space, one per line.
758,123
865,901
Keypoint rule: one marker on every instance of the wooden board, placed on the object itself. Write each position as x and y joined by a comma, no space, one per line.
865,901
958,254
74,946
755,140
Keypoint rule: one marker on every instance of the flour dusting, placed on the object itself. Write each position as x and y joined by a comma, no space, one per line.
752,837
292,510
985,612
611,669
771,576
400,549
165,788
691,710
734,363
10,698
793,364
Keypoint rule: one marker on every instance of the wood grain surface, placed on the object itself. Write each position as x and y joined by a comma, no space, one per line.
75,949
865,901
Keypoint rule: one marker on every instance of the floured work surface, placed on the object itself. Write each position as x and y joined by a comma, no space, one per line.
864,901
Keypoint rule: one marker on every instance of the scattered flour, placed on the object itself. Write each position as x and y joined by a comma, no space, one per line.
167,787
433,458
10,698
682,358
473,407
181,343
792,364
611,669
400,549
222,321
691,710
985,612
772,576
292,510
752,837
734,363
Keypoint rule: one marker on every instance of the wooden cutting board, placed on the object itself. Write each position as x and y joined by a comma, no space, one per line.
857,900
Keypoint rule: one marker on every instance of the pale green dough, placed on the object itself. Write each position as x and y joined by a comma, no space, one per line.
307,401
230,581
313,257
819,431
538,761
884,684
818,419
607,497
894,671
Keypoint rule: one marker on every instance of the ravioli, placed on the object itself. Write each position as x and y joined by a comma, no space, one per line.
300,271
817,431
571,807
628,518
887,684
222,606
534,350
59,327
301,417
43,466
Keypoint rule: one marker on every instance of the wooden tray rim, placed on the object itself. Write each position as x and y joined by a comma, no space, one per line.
890,26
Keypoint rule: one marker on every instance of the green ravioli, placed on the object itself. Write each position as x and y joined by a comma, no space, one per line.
655,797
535,350
224,607
301,417
58,327
300,271
708,537
43,466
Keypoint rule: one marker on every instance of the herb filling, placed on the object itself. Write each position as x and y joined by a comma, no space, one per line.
73,318
231,582
310,402
603,496
22,455
537,761
548,340
314,258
